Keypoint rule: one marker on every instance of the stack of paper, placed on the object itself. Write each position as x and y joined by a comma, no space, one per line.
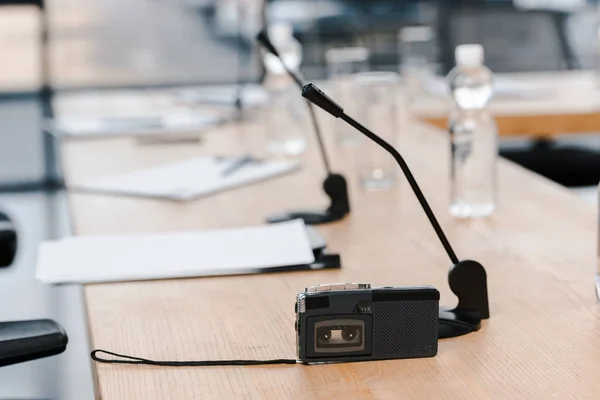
190,179
251,95
129,113
171,123
181,255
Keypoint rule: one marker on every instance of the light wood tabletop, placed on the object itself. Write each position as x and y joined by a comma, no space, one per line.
542,341
538,104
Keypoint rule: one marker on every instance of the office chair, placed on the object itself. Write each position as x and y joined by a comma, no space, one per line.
8,241
341,23
514,40
517,41
22,341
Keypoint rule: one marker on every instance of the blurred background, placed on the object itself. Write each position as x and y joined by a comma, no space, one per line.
54,48
144,44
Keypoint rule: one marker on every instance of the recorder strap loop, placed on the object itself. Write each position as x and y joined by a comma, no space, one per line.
125,359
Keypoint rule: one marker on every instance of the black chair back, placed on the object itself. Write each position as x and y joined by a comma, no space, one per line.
8,241
514,40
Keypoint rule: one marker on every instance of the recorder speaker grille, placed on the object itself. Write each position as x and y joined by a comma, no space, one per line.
405,329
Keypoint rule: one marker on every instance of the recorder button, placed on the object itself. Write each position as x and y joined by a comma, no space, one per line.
358,286
296,308
296,326
337,286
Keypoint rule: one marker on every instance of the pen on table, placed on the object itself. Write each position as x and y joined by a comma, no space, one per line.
168,139
237,163
152,123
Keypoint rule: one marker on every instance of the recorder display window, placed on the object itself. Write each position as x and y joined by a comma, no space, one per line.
339,336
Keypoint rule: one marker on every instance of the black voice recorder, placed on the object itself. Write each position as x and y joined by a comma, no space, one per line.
353,322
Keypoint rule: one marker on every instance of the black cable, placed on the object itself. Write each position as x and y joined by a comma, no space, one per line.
264,40
124,359
313,117
411,180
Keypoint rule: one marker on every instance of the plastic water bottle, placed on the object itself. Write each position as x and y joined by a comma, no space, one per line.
286,113
473,135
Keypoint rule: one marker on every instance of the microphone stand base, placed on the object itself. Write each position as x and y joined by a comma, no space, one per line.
309,217
336,188
468,281
455,323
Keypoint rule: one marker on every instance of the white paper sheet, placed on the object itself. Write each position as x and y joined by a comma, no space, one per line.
171,124
188,179
252,95
192,254
94,114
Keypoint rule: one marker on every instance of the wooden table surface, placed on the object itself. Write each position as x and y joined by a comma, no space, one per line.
542,341
551,103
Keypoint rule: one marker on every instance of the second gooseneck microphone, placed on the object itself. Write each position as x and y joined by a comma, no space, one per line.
467,279
335,185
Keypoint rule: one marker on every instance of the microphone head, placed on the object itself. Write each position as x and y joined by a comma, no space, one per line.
265,42
316,96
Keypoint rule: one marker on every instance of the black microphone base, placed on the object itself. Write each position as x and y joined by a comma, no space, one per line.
454,323
468,281
336,188
310,217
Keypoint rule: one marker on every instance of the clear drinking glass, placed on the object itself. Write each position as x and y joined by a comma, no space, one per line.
342,65
379,100
416,46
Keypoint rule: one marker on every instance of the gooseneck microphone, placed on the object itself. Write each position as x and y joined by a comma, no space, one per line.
467,279
335,185
320,99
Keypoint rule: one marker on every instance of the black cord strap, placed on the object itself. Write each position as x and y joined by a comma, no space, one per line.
124,359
